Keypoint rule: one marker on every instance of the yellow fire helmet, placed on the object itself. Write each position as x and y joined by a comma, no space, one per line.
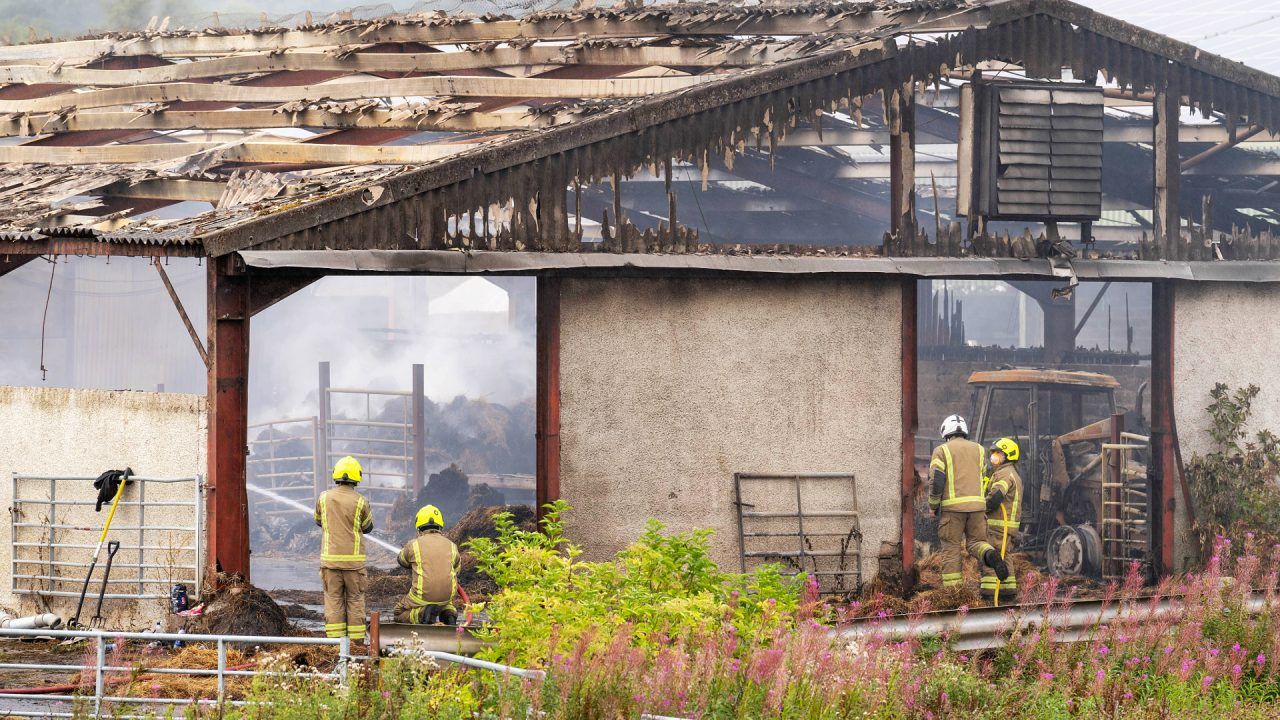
348,469
1008,447
429,515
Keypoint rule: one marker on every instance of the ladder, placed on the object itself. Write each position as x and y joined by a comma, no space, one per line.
1125,515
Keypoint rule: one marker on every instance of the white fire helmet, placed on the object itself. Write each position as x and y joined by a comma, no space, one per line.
954,425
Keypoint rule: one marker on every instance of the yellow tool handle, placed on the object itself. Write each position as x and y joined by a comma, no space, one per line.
1004,544
112,513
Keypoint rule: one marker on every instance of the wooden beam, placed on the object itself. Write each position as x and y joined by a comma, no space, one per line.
248,152
407,118
313,59
649,25
227,523
1163,497
182,312
432,86
1165,110
81,246
166,189
1226,144
902,168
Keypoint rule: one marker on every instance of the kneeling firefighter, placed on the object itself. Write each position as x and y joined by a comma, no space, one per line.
344,518
433,563
1004,507
958,468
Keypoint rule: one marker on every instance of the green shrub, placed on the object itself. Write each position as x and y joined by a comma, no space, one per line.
661,587
1235,486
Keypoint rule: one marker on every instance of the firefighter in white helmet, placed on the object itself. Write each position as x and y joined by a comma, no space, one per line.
344,518
956,485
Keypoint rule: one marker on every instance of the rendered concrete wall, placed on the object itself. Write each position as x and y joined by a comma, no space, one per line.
670,386
62,432
1223,332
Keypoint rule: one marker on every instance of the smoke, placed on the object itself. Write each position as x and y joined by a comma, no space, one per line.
111,325
472,337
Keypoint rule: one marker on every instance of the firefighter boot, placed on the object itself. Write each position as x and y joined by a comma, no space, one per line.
995,562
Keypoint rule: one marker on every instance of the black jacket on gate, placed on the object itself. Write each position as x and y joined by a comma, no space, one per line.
108,484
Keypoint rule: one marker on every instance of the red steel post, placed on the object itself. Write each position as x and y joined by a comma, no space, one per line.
227,516
548,392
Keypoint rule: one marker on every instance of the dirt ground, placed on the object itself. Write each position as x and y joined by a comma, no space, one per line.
143,656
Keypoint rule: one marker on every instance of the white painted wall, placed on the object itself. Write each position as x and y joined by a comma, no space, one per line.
1229,333
57,431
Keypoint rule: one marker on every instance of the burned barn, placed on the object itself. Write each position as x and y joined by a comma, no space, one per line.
761,235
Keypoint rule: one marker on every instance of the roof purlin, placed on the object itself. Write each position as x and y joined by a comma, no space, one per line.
671,106
628,119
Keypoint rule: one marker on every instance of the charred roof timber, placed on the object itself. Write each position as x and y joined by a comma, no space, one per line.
522,134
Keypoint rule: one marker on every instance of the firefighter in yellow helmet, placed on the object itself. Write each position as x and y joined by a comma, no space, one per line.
1004,515
957,470
344,518
433,565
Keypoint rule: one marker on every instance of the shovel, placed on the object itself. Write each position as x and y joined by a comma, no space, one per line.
96,621
74,622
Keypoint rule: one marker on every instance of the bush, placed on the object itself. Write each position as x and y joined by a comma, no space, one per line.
662,587
1236,486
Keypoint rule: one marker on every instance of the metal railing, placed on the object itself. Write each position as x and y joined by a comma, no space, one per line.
283,459
51,539
101,669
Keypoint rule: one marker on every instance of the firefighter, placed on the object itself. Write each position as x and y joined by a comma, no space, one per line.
433,563
344,518
1004,507
955,496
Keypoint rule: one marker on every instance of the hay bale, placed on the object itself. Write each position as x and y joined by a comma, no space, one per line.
479,524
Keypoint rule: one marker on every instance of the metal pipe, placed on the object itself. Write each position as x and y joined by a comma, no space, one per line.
30,621
988,628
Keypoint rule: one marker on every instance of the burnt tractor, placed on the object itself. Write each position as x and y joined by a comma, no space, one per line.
1086,492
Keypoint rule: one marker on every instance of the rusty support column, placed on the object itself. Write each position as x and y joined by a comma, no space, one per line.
909,424
901,111
227,502
419,429
548,392
1163,503
1165,109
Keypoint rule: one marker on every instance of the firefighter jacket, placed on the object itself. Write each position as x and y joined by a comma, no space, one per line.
956,470
1005,489
343,516
433,562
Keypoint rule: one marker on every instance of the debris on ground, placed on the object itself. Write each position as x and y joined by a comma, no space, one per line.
478,523
238,608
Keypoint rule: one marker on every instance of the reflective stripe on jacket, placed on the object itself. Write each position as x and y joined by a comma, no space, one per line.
343,516
433,562
1006,480
964,464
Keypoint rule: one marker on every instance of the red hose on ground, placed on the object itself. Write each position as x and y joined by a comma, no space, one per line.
466,603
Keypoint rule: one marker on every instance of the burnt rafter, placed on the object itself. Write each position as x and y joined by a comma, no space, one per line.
509,195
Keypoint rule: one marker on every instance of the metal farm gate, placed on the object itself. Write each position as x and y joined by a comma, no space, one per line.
807,522
54,528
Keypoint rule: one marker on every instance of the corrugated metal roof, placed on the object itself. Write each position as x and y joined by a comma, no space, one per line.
1244,30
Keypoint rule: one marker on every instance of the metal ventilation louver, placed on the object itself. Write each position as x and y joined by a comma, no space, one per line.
1042,148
